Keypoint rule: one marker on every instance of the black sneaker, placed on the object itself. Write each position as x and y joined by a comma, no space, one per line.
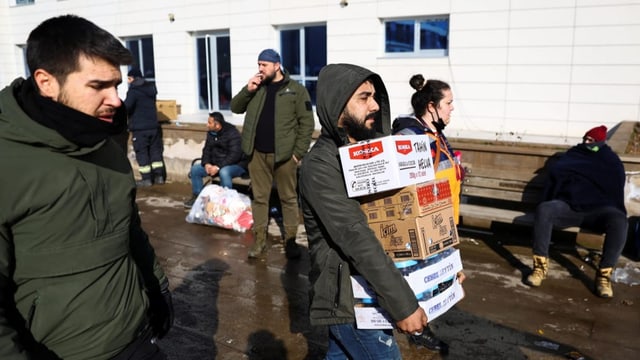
429,340
189,203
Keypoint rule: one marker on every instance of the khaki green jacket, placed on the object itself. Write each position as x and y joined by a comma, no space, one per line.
74,259
293,118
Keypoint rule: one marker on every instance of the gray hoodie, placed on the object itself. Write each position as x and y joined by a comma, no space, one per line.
340,241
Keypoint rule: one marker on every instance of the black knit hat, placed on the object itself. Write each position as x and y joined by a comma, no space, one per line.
135,73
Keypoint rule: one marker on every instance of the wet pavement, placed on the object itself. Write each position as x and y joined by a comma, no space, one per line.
230,307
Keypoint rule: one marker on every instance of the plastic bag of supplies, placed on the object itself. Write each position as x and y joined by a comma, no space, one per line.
225,208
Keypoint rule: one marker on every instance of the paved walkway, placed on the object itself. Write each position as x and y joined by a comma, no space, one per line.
229,307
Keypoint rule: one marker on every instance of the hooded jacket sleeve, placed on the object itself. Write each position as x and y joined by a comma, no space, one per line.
10,345
144,255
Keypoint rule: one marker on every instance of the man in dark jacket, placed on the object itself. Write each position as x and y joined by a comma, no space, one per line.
221,156
275,136
145,128
352,105
78,276
585,188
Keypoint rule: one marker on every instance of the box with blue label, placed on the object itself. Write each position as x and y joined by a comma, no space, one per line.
423,276
433,281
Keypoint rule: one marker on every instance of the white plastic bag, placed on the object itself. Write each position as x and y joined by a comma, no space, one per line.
226,208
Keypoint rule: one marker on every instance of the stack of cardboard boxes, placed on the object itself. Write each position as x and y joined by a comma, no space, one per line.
411,214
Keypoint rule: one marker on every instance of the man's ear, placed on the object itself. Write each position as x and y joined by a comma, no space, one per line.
47,84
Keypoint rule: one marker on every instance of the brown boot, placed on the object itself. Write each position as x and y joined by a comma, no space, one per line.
260,244
540,267
603,283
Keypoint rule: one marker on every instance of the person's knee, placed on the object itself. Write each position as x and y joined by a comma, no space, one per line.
618,221
224,172
549,209
195,169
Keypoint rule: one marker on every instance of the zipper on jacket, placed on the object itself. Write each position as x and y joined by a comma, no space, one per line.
336,300
32,313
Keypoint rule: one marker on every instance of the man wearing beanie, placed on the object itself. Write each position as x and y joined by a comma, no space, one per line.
276,134
585,188
145,128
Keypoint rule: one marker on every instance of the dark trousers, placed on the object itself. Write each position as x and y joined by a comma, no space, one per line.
142,349
149,148
609,220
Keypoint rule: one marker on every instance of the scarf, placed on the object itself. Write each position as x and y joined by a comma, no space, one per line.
77,127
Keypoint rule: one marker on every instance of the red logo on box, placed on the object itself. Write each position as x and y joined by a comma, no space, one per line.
366,151
403,147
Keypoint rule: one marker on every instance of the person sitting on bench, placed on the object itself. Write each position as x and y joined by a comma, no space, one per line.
221,156
585,188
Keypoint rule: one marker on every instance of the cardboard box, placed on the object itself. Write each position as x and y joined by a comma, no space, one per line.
370,316
409,201
167,110
386,163
417,237
424,279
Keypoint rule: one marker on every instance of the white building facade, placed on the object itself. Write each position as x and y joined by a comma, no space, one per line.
520,70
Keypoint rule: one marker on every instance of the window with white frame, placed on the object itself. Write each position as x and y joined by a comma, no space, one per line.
214,71
25,2
304,54
142,50
426,36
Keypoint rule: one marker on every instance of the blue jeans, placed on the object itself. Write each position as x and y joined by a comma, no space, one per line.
608,220
226,174
348,342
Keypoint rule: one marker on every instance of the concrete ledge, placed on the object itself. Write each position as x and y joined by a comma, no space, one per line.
183,142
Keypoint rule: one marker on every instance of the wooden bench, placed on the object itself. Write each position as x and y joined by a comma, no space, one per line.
504,182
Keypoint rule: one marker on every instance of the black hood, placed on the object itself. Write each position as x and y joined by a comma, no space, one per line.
336,84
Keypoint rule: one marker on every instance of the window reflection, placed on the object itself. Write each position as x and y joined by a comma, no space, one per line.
304,54
423,36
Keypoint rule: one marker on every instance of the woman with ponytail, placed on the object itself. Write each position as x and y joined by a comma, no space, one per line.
432,106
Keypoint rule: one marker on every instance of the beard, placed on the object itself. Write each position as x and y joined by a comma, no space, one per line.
268,78
358,129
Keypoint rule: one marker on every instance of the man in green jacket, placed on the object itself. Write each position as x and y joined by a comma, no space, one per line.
78,277
275,136
352,105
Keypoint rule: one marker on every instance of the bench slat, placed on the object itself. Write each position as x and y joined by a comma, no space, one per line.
489,193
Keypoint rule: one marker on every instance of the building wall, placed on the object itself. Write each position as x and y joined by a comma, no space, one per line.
520,70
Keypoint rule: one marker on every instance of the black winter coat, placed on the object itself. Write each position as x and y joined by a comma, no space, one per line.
223,148
141,105
587,179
